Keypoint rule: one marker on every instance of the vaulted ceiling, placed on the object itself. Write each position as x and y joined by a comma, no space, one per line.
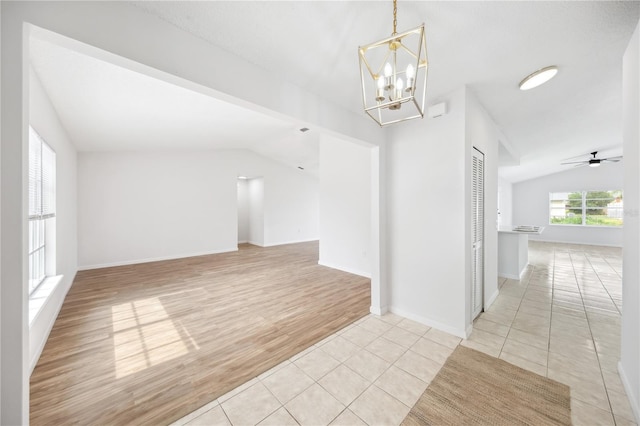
487,46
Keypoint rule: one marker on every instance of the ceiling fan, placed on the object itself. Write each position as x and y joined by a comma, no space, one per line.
595,162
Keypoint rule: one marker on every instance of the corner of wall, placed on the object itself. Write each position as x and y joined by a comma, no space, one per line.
629,366
456,331
629,389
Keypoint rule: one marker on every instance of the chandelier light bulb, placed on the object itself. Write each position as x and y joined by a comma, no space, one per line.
399,86
388,84
380,90
411,73
387,70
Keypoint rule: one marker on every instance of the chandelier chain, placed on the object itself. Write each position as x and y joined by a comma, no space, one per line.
395,18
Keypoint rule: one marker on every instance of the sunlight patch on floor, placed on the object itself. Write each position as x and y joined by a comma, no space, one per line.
144,335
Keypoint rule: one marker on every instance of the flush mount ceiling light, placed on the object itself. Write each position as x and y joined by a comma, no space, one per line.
394,75
538,78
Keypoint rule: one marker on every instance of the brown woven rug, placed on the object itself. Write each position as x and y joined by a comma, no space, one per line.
476,389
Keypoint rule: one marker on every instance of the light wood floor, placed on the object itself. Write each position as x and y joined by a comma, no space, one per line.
150,343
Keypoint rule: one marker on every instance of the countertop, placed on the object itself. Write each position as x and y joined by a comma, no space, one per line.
522,229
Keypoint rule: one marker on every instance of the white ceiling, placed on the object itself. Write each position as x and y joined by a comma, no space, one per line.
489,46
105,107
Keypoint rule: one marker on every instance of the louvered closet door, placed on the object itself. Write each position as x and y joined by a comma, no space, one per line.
477,232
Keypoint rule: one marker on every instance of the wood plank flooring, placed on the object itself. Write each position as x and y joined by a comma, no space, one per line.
150,343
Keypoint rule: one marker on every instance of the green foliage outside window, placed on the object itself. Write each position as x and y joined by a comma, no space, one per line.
589,208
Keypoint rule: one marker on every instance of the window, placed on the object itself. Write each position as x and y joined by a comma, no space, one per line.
586,208
42,207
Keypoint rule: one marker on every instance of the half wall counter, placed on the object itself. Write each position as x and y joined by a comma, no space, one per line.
513,249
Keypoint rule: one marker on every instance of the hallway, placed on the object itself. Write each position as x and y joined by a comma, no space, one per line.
562,320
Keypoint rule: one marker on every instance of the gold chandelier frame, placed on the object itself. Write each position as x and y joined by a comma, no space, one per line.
393,72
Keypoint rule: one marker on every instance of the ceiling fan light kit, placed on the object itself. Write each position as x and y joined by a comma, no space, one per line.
538,78
393,72
594,162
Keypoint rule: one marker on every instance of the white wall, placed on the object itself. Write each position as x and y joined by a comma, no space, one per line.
44,120
243,211
380,289
256,211
0,226
426,202
482,133
505,202
14,370
429,213
629,366
345,205
291,207
141,206
531,203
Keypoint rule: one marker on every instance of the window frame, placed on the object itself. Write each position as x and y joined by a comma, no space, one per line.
583,209
41,212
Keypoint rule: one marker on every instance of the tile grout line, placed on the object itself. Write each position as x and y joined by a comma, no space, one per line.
223,412
553,287
260,380
594,343
372,383
533,268
387,369
614,269
602,284
342,363
282,405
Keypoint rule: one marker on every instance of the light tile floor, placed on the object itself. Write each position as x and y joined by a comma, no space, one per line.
562,320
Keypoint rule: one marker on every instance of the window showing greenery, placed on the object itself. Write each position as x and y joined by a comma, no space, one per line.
586,208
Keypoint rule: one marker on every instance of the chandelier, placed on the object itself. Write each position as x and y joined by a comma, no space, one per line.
394,75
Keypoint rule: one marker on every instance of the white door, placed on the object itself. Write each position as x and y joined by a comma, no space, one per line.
477,233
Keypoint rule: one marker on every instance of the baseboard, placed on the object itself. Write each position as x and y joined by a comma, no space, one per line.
469,330
379,310
575,243
633,399
462,333
154,259
243,242
282,243
492,299
345,269
512,276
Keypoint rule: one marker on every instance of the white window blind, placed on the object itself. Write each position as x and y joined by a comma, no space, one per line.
42,205
42,175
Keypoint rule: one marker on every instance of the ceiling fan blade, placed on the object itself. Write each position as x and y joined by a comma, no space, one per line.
612,159
575,162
